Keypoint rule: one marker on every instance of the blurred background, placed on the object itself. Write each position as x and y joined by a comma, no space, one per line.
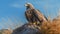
12,11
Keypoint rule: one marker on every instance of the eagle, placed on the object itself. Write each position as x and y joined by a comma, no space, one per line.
34,15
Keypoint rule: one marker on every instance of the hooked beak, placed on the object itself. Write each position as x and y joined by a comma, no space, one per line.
26,5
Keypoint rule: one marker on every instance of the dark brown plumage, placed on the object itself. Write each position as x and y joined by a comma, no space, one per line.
33,15
30,16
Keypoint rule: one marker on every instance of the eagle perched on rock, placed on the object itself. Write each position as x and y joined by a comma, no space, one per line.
33,15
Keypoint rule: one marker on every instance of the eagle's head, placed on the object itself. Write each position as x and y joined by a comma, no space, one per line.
29,6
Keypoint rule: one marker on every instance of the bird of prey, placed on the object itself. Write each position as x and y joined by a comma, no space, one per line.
33,15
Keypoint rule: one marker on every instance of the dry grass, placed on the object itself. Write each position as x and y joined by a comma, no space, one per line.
5,31
51,27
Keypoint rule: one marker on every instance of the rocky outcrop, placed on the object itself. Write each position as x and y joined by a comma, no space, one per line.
27,29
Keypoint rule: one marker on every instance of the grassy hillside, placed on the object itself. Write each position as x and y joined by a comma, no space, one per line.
5,31
51,27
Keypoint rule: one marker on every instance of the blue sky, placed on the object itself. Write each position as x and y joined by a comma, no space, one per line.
12,11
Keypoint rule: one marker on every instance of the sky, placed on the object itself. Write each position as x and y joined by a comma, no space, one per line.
12,11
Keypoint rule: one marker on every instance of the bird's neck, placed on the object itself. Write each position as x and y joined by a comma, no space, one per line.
29,8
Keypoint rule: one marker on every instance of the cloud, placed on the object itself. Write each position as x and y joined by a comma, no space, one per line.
16,5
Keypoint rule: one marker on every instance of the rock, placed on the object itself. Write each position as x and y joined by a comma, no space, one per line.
27,29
